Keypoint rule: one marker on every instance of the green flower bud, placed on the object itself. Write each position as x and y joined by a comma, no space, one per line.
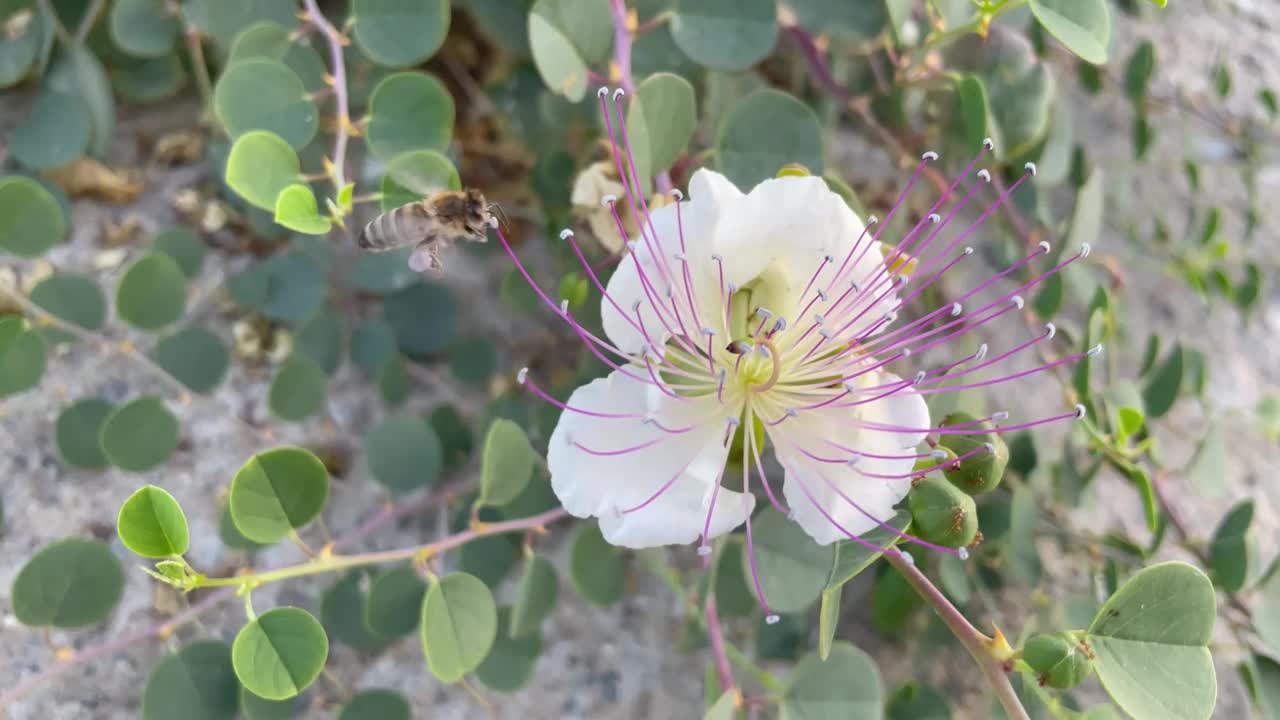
942,514
988,455
1063,659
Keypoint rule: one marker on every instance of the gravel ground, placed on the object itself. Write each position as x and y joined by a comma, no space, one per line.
623,662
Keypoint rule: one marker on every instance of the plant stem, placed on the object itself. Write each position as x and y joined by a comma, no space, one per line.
46,7
339,83
975,25
973,640
89,18
195,48
331,563
622,39
723,670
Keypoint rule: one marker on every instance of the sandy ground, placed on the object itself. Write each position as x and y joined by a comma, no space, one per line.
623,662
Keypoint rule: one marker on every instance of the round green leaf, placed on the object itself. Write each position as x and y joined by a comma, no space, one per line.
148,80
376,703
260,165
411,176
271,40
224,19
195,356
915,702
183,245
852,557
57,132
256,708
1019,90
725,34
510,662
22,356
424,317
473,361
454,435
846,684
373,343
793,570
288,287
793,132
660,122
152,292
31,221
298,390
22,45
409,111
595,567
264,94
535,596
459,624
566,37
280,653
152,525
230,535
1230,551
143,28
342,612
139,435
507,463
1151,641
77,433
68,584
79,74
851,23
394,603
276,492
74,298
1083,26
385,272
404,453
297,210
196,683
1161,390
320,338
398,33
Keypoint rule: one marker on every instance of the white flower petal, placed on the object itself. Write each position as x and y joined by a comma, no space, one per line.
666,282
810,485
905,408
590,484
677,517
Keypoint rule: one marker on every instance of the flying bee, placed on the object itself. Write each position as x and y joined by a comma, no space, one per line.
432,223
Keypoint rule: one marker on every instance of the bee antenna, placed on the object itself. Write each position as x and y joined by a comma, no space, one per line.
496,206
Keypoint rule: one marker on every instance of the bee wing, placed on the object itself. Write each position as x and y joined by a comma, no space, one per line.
405,225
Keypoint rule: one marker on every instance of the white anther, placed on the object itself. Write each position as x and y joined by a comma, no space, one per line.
709,332
849,386
679,256
568,438
919,378
715,257
984,175
565,234
771,619
632,245
963,553
1085,249
764,312
733,421
1096,350
822,294
982,352
675,193
733,288
671,292
780,324
851,462
564,307
1045,247
724,375
872,219
939,454
704,550
602,92
988,143
904,279
1080,411
906,352
791,412
825,333
1050,330
1030,168
1000,416
819,318
828,258
854,286
1018,302
890,316
608,200
956,309
935,218
618,93
493,222
635,306
990,448
648,419
968,250
906,557
522,375
929,156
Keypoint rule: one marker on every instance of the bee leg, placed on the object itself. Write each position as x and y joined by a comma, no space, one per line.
426,256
